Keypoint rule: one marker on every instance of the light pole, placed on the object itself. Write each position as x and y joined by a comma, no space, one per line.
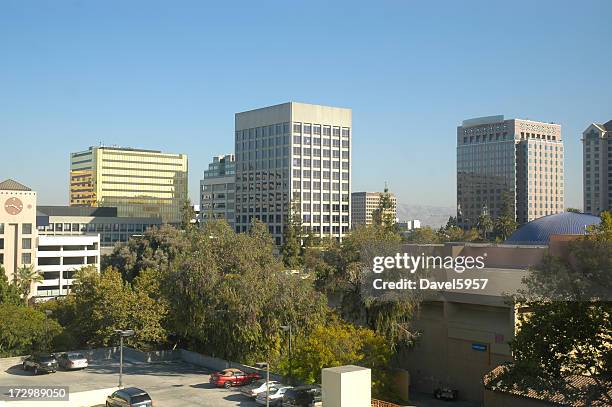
287,328
267,384
123,333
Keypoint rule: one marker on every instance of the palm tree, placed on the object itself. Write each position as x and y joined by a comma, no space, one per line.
25,277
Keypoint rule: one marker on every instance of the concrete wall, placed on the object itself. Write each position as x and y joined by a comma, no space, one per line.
217,364
79,399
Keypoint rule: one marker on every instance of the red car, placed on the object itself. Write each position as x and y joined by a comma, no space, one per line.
232,377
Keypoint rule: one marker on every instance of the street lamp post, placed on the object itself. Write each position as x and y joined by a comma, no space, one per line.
123,333
287,328
267,384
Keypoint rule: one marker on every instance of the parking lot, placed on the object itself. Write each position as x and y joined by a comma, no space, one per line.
170,384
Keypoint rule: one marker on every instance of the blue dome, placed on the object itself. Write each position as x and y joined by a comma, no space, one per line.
538,231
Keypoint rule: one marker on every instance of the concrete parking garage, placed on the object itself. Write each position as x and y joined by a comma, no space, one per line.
170,384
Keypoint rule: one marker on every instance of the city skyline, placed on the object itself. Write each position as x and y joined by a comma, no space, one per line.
106,73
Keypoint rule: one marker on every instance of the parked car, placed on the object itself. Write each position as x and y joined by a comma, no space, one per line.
129,397
274,397
41,362
233,377
302,396
257,387
72,360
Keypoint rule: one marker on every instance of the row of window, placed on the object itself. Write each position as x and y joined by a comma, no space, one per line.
96,227
26,228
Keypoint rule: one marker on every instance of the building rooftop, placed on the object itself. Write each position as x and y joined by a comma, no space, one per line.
538,231
12,185
107,212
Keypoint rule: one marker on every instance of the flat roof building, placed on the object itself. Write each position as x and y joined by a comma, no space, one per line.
139,183
597,167
79,221
218,190
294,158
515,158
363,205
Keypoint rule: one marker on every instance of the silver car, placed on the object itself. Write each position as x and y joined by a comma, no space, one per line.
72,360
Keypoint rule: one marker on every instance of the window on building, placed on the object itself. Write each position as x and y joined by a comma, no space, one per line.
26,229
26,258
26,243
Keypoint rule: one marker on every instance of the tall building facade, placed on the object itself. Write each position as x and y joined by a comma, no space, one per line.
218,190
17,226
519,160
294,159
139,183
597,167
363,205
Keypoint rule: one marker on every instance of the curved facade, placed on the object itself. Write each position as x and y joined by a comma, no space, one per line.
538,231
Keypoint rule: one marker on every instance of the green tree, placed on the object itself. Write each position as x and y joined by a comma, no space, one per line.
9,293
291,248
228,296
104,303
25,276
505,224
187,215
384,215
336,343
485,225
567,329
24,330
424,235
157,248
343,280
573,210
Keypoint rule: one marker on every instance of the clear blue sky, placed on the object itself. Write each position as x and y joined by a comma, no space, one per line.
170,75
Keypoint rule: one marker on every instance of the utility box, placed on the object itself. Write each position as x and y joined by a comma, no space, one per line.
347,386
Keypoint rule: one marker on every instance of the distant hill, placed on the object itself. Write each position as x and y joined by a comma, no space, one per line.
434,216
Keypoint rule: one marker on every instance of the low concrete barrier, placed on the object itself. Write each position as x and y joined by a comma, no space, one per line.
217,364
79,399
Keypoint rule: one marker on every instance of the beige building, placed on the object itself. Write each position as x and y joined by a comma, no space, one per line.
363,204
56,258
139,183
17,226
294,158
520,158
597,167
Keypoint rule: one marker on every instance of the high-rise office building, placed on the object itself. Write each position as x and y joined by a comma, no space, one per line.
218,190
363,205
139,183
294,158
597,167
515,159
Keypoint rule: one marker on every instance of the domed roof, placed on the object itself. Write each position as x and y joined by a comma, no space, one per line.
538,231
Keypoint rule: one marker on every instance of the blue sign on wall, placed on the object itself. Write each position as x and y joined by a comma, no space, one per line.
480,347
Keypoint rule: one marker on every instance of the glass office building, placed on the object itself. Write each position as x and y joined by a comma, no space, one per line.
217,190
520,159
139,183
294,158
